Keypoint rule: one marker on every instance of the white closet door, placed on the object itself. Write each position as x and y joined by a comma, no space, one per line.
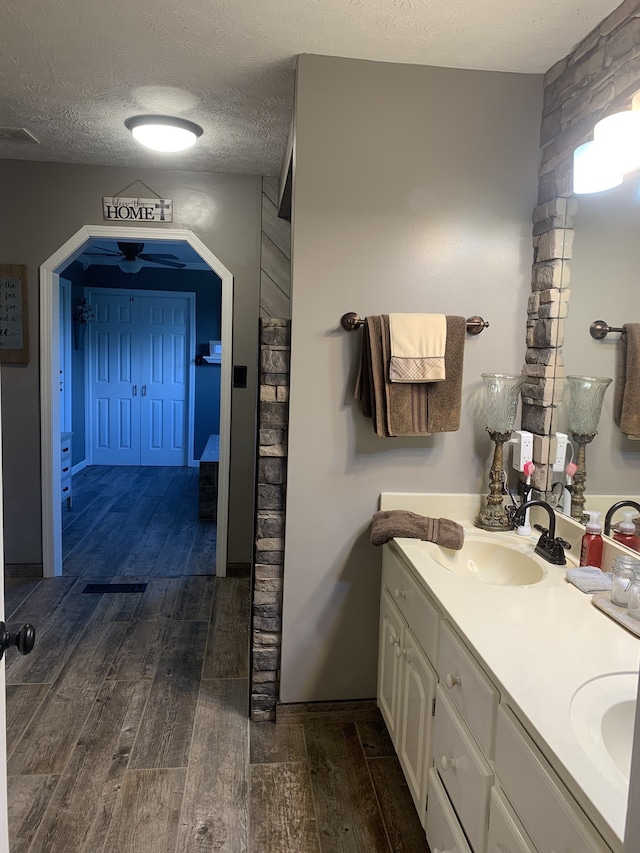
163,326
115,387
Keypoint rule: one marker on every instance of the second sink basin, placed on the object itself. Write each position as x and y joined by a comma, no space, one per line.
491,558
603,713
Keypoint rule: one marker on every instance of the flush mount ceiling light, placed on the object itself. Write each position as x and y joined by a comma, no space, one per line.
163,133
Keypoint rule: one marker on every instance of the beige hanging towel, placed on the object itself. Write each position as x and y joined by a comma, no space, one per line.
418,343
626,399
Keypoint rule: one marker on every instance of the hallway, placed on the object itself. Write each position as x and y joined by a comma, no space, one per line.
128,520
127,727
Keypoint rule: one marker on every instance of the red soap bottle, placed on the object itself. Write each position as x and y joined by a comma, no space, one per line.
626,532
591,548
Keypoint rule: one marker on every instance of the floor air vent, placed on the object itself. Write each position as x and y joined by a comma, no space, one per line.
115,587
17,134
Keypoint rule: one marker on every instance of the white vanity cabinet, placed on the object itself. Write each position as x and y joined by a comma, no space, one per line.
487,786
406,678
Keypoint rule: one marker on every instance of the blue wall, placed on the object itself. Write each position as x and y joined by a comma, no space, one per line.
208,289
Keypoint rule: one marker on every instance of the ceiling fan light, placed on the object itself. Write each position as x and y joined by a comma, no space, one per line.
163,133
130,266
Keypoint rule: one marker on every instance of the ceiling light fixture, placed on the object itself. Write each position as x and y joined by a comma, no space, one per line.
130,265
163,133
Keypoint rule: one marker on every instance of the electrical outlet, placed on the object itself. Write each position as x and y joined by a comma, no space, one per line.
522,448
559,450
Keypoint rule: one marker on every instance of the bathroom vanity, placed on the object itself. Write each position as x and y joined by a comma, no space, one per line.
510,699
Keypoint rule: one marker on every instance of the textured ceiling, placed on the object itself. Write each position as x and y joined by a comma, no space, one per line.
71,71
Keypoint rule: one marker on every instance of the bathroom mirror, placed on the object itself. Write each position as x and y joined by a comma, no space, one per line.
604,281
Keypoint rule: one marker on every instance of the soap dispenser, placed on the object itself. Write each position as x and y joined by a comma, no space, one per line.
591,548
626,532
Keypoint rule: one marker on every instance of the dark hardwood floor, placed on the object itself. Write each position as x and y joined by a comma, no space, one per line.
127,727
136,521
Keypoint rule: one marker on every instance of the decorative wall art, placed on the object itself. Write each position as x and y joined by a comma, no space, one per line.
14,326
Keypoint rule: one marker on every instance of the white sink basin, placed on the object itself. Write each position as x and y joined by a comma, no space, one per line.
490,558
603,713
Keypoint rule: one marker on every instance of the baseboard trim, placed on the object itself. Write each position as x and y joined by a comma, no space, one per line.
75,469
23,570
349,711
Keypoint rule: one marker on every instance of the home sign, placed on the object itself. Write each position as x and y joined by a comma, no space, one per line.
137,209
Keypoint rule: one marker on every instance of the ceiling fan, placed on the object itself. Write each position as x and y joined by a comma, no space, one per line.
131,257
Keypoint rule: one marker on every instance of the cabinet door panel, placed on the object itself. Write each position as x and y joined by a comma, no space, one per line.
465,773
418,692
391,632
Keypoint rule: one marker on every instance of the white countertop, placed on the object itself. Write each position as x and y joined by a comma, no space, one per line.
540,644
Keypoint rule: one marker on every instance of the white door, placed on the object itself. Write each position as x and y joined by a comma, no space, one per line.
138,378
163,326
115,405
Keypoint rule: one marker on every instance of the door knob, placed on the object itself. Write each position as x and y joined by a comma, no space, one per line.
24,639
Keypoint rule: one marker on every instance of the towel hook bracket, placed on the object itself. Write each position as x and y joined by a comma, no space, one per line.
599,329
351,321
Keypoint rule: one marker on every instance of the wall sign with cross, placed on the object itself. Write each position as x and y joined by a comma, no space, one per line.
137,209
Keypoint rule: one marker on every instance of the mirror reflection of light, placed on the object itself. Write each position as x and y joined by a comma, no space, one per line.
594,170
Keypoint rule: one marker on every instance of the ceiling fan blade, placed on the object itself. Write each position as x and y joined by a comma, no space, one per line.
103,253
158,255
156,259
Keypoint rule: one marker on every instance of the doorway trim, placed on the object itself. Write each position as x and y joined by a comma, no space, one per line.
49,377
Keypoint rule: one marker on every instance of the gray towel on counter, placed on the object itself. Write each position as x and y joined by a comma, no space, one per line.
589,579
391,523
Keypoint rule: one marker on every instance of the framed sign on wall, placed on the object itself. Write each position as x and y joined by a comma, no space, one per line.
14,332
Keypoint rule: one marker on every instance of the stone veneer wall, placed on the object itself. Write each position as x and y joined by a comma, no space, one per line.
273,419
598,77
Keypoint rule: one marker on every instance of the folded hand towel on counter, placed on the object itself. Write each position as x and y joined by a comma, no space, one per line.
589,579
417,347
626,399
391,523
411,408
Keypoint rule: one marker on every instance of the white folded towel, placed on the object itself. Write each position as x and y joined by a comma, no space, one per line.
418,344
589,579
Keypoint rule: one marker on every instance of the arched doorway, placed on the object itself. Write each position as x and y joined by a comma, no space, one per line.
50,372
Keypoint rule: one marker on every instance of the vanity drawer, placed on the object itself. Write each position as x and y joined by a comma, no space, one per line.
506,834
465,773
547,810
415,606
444,833
470,689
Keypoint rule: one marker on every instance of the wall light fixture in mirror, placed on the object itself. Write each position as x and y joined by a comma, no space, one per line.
605,269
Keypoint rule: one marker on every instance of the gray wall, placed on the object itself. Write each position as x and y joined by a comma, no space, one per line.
413,191
43,205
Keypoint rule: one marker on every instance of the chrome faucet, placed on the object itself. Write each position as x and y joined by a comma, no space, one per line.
612,509
549,547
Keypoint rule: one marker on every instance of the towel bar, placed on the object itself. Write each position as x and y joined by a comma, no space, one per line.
599,329
351,321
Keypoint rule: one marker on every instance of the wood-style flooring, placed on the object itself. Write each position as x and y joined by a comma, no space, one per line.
127,727
136,521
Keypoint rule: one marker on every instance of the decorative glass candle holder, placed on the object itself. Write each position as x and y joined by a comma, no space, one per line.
585,408
501,392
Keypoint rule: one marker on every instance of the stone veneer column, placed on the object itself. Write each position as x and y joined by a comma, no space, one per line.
273,420
598,77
